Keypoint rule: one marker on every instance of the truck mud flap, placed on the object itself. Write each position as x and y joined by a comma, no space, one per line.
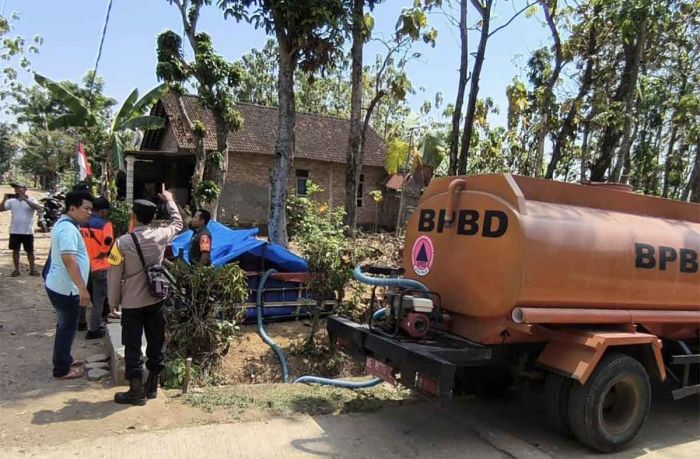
428,366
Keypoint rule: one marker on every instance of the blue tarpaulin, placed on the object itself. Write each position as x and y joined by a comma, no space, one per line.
284,299
229,245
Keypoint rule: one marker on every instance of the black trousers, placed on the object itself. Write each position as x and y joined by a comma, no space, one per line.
151,320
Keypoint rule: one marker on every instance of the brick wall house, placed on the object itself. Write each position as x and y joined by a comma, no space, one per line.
166,156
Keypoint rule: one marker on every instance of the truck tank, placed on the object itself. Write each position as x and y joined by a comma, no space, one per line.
492,243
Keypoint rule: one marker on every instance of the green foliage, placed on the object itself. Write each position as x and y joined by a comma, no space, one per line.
15,52
199,129
397,150
330,254
211,320
8,148
311,29
46,155
207,191
82,112
119,215
215,159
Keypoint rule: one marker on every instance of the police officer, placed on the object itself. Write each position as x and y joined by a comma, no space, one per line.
200,246
141,312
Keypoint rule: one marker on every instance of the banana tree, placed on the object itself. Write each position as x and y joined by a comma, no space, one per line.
132,116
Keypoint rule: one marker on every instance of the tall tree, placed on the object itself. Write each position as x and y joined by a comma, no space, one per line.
551,14
309,36
585,41
485,9
461,86
361,28
215,80
633,17
411,26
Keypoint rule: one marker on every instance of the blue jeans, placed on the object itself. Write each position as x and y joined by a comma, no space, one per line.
67,311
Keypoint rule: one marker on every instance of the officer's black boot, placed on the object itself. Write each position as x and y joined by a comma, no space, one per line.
152,385
134,396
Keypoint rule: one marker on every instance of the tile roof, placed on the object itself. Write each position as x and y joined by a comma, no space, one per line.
318,137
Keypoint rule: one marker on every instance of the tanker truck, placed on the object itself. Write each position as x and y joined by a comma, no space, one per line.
590,290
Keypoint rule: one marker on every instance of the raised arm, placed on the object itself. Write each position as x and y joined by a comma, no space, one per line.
175,225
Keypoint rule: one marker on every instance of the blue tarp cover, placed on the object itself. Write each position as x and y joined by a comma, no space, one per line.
228,245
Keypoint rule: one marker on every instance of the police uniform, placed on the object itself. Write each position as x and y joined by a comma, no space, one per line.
201,242
128,288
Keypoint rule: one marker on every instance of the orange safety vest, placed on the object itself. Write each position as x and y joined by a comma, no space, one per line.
98,236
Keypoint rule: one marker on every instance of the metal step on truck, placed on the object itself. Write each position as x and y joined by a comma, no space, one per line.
591,288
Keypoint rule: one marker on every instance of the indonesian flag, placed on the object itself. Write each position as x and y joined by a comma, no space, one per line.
83,164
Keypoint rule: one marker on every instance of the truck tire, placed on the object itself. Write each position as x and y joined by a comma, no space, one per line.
609,410
556,390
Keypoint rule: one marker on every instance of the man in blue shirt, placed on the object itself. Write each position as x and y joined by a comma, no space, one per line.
66,281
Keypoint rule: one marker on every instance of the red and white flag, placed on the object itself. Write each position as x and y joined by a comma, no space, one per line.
83,163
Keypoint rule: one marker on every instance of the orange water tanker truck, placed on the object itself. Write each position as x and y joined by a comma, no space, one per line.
594,290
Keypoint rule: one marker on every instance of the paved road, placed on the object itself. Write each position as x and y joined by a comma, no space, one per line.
511,427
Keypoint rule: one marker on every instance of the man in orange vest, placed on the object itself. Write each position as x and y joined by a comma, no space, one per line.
98,236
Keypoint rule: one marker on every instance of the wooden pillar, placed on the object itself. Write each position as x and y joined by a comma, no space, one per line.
130,160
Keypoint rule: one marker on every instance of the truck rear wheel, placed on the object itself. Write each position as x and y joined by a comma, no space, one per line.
557,389
609,410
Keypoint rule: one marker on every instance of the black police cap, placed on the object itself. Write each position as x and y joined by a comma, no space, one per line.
145,206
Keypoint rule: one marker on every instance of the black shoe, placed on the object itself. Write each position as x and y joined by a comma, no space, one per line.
82,326
95,334
151,387
134,396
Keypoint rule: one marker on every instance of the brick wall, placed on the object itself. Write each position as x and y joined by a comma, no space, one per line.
247,194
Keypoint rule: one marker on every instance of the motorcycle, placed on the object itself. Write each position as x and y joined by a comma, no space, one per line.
52,204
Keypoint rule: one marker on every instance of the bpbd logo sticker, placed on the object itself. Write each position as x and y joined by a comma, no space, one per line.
422,255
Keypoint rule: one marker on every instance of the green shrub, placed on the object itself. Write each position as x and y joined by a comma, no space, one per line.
205,330
119,215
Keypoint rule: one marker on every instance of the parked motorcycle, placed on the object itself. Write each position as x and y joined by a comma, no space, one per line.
52,204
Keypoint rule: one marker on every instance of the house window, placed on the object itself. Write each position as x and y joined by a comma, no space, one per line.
302,177
360,190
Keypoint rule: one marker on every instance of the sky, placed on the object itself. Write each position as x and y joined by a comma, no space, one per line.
71,30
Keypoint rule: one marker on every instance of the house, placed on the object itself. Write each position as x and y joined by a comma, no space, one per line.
167,156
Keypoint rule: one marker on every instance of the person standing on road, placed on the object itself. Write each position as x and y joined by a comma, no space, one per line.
98,236
128,286
66,280
23,208
200,246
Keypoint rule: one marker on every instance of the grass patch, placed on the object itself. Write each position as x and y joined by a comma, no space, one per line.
249,401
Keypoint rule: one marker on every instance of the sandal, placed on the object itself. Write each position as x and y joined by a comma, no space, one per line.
14,274
34,273
73,373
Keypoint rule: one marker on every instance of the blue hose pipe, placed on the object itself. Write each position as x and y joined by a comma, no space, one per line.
316,379
261,330
387,282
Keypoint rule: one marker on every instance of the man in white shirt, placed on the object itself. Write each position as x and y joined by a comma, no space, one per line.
23,209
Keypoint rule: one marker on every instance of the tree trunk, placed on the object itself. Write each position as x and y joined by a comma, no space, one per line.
624,95
694,183
284,148
627,167
584,150
669,160
626,144
462,86
215,173
355,153
485,13
567,130
549,88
